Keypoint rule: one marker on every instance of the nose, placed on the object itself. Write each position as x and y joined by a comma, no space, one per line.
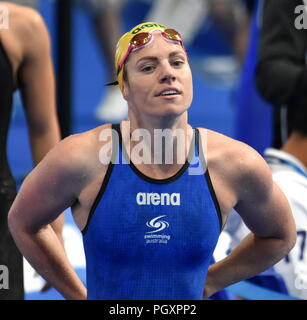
167,74
168,78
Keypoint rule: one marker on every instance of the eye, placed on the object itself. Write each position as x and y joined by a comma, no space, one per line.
177,63
147,68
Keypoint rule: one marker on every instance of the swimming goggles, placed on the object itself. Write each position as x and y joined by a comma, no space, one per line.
142,39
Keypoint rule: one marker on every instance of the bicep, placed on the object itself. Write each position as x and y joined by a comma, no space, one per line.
263,206
46,192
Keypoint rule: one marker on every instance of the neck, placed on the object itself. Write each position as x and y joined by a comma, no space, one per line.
296,145
151,122
163,142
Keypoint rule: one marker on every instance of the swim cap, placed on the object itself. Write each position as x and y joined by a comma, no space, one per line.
124,42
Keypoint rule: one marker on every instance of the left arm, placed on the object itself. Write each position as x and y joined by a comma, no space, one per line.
37,85
265,210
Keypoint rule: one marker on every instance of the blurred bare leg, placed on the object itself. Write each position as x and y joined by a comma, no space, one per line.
232,17
108,27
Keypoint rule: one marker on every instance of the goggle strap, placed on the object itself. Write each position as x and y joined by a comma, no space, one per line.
114,83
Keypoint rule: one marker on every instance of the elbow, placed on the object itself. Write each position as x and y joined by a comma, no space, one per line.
292,234
289,241
19,226
12,222
16,225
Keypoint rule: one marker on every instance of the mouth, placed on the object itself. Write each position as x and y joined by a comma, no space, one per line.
169,92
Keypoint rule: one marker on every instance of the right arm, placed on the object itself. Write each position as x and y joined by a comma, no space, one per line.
265,211
48,190
281,73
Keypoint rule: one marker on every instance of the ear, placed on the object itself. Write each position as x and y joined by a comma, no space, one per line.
125,90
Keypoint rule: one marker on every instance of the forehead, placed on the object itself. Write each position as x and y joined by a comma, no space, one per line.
158,47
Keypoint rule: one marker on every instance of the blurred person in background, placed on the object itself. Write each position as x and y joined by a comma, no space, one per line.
289,169
25,64
281,74
281,78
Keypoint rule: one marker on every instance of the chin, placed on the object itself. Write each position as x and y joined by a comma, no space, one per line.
170,111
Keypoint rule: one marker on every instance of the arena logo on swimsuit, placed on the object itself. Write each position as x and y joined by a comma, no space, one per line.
150,25
163,199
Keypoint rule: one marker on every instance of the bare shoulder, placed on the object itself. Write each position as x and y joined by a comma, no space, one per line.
82,148
239,163
222,147
24,18
74,159
27,26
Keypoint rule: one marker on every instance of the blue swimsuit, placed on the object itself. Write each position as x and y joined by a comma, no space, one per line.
151,239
